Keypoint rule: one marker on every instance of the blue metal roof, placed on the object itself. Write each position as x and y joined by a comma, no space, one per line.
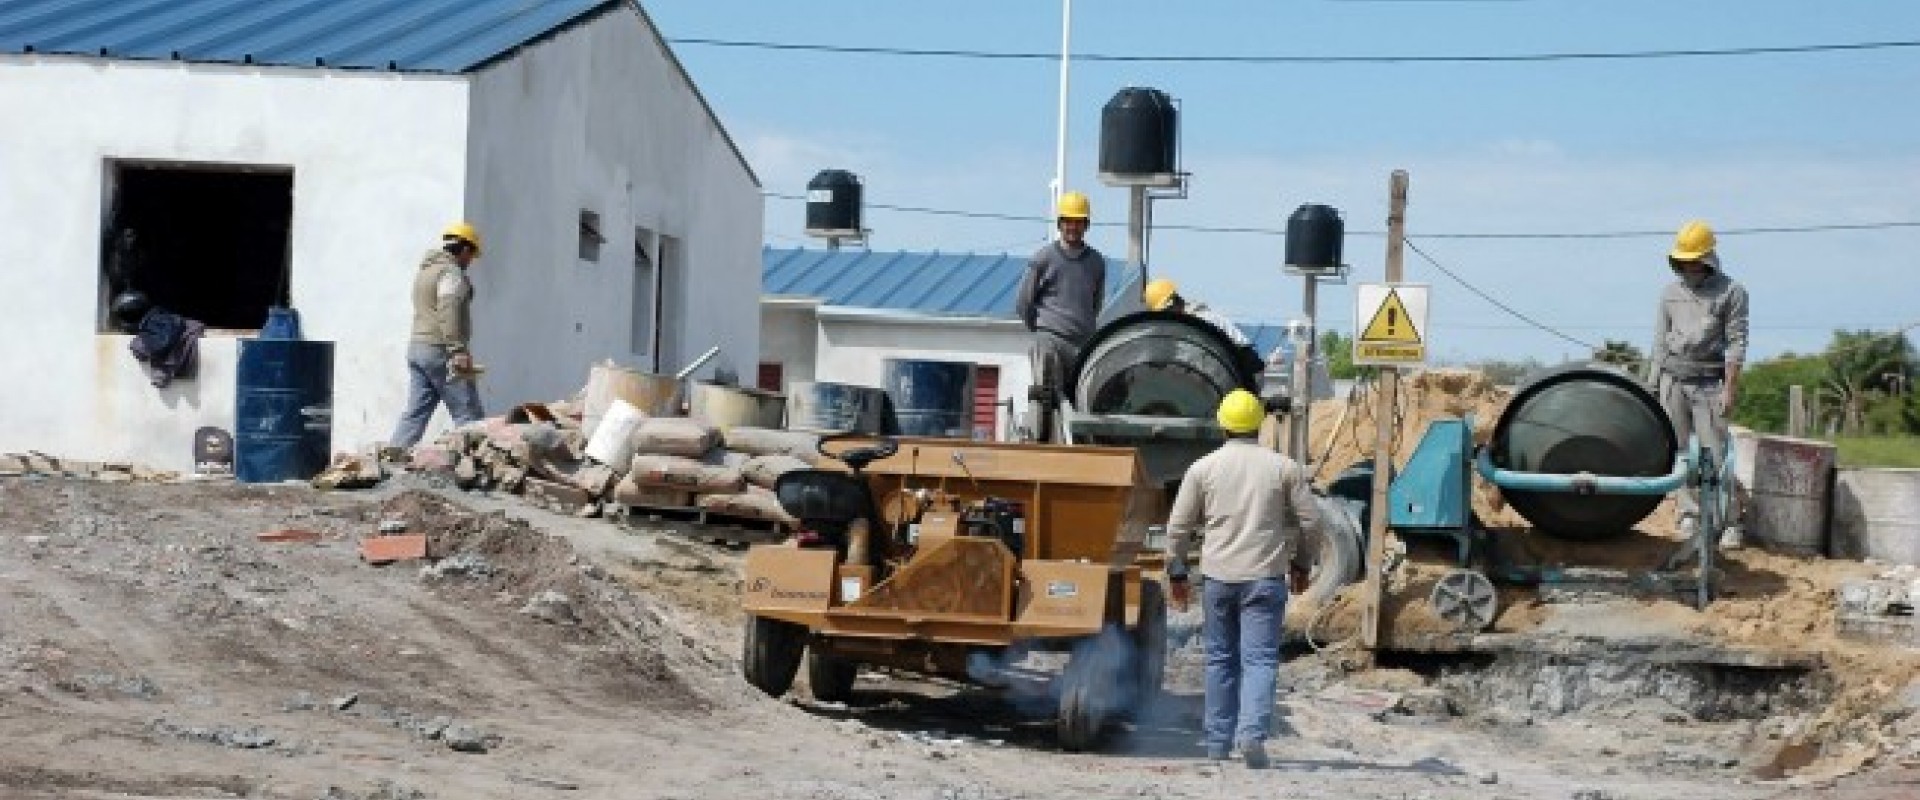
967,285
446,36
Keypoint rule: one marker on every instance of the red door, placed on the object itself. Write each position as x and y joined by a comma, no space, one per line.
771,375
986,402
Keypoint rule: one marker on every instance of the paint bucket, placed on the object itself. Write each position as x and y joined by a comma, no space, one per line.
612,441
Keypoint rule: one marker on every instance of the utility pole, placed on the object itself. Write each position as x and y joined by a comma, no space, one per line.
1060,140
1796,411
1376,586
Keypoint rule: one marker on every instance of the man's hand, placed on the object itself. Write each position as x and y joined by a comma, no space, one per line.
461,361
1180,594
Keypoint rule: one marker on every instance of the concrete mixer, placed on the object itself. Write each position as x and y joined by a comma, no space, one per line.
1583,452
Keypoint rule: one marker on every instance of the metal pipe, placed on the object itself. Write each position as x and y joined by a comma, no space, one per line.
1137,231
1060,140
1587,483
697,363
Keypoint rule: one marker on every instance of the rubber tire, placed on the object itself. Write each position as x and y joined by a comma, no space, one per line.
771,657
1150,643
1340,556
831,677
1078,725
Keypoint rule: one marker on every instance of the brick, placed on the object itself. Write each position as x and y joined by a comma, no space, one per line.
388,549
557,497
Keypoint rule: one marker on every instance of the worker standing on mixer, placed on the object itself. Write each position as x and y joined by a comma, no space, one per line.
1699,345
1252,508
1059,302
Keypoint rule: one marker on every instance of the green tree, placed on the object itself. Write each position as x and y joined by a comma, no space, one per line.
1866,370
1621,353
1504,372
1765,389
1338,348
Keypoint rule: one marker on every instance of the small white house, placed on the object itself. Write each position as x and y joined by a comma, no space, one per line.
837,315
226,156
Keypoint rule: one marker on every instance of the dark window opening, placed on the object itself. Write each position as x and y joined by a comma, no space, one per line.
209,243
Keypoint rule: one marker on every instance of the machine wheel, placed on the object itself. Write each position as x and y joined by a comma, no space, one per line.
1150,642
831,677
1080,721
772,654
1466,599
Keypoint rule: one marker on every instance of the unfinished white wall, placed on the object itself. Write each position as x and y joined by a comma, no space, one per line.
378,163
854,349
788,336
598,118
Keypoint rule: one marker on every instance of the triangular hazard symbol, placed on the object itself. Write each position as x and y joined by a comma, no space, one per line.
1391,323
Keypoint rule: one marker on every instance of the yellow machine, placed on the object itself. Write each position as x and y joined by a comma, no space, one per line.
944,556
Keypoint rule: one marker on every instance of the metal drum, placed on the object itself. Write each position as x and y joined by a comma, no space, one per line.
824,407
283,410
931,398
1591,419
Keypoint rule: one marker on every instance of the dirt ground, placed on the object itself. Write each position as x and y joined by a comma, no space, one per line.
152,647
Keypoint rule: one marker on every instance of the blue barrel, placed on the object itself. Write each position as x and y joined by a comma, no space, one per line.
931,398
825,407
282,410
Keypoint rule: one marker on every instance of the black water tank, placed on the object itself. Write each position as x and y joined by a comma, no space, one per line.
1137,132
833,203
1314,235
1573,419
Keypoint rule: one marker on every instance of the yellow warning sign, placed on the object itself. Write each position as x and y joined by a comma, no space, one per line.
1391,323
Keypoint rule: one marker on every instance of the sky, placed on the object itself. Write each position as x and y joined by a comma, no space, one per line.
1583,146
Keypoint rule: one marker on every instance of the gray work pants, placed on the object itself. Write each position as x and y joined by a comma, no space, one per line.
427,388
1051,356
1693,404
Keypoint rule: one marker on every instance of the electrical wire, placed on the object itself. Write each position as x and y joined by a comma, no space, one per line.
1490,298
1260,231
1137,58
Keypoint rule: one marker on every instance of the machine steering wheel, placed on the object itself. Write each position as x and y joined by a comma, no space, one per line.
858,458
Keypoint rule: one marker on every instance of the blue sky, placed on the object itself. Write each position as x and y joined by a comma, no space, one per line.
1586,146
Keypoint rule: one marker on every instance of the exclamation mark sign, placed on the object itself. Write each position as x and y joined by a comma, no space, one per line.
1393,321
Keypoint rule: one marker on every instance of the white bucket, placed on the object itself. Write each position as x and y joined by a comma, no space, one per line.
612,440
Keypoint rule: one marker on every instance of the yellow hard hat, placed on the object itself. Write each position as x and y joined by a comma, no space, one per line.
1694,242
1159,293
1240,412
464,231
1074,205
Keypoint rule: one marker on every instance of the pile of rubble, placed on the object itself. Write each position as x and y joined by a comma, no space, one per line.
543,452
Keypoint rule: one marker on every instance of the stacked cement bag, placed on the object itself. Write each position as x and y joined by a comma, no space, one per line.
766,442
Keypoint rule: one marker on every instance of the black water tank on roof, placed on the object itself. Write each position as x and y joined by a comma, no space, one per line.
833,203
1314,234
1137,133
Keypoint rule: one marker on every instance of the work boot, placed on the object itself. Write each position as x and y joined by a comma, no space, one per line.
1255,755
1218,753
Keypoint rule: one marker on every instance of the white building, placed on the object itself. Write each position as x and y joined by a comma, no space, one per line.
837,315
309,154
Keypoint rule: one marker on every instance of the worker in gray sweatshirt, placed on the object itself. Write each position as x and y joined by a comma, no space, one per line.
1060,303
1699,345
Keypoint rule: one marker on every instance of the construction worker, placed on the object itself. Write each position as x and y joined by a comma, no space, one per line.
1162,294
439,361
1699,345
1059,302
1252,508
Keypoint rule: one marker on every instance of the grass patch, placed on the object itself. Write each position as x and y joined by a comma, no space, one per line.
1879,451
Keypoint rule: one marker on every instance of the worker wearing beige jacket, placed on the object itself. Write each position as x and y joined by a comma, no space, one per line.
1252,508
439,359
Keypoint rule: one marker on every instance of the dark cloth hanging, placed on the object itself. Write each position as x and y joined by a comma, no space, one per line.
168,345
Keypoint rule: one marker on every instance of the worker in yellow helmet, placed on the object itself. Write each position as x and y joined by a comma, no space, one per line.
1162,294
1699,346
439,356
1059,302
1252,508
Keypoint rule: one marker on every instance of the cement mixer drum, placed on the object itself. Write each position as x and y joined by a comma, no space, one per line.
1584,419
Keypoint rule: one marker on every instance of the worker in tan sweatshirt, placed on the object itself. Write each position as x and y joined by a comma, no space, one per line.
1252,508
439,361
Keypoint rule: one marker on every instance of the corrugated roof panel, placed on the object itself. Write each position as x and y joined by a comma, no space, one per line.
406,35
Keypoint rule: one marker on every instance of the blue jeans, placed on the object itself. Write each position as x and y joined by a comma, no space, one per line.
1242,629
427,387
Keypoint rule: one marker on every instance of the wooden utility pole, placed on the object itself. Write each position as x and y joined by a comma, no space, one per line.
1388,399
1796,411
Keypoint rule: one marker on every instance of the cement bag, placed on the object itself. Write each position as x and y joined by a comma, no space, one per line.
754,503
674,436
684,474
612,440
629,493
762,471
767,442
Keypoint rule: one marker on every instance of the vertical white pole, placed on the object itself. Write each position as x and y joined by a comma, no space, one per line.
1060,141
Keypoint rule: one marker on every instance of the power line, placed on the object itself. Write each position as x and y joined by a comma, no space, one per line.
1489,298
1282,232
1015,55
